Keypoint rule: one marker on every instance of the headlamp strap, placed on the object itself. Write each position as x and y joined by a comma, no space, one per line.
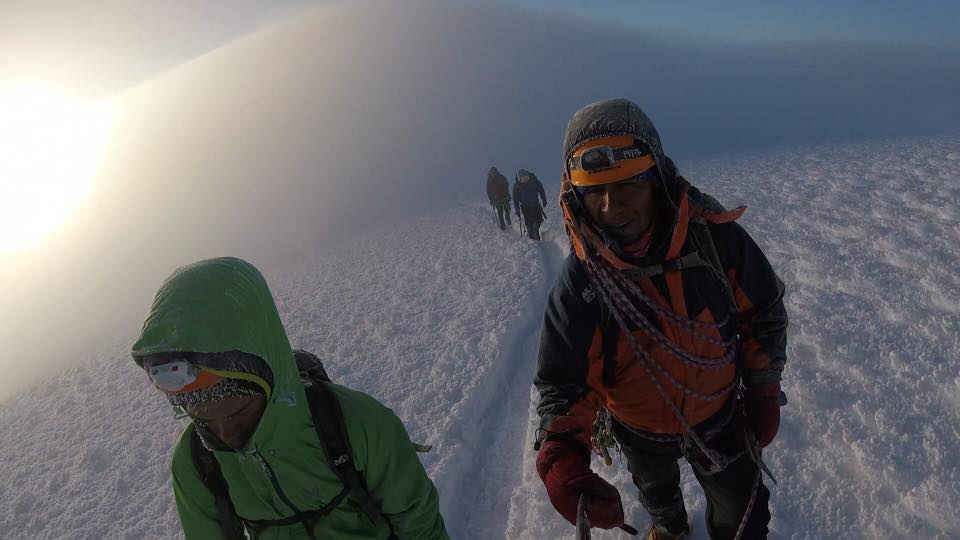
618,154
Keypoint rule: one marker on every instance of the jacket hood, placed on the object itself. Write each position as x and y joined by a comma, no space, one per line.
523,173
223,305
493,175
623,117
619,117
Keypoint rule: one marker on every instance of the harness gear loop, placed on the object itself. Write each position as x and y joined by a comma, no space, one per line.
602,435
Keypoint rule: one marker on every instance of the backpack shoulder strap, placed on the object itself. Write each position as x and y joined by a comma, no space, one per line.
209,471
700,230
331,428
610,334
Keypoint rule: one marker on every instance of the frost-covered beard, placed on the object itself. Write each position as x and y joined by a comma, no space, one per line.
226,388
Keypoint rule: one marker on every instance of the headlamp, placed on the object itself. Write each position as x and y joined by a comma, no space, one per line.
607,160
178,375
173,375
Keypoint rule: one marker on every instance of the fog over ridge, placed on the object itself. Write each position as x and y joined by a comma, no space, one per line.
298,136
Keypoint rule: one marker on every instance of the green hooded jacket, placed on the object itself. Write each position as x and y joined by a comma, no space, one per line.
221,305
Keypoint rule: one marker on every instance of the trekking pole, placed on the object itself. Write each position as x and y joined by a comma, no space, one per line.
543,214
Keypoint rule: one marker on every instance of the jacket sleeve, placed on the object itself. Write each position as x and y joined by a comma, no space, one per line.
196,505
758,293
396,479
570,323
516,198
543,195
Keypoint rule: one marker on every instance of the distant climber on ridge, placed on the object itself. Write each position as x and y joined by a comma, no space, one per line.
498,191
529,198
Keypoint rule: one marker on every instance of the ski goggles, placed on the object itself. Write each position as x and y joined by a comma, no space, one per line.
607,160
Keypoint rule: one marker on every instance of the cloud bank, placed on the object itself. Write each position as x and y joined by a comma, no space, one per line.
353,116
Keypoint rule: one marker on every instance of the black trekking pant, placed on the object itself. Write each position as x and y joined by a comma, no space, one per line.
503,212
656,473
532,218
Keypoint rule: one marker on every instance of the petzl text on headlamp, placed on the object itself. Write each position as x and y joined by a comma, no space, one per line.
607,160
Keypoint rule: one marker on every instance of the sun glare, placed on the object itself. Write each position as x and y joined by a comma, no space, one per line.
51,146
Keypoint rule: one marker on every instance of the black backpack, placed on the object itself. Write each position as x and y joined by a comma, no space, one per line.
328,420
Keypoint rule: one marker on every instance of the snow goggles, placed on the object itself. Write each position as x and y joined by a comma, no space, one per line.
607,160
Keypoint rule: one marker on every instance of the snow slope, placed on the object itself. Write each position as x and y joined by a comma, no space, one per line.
867,238
439,317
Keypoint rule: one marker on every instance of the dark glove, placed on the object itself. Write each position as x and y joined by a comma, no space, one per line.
763,409
565,471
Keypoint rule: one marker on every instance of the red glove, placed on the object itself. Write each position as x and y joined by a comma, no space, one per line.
565,471
763,410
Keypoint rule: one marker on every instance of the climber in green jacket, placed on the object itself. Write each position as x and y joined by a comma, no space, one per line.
214,345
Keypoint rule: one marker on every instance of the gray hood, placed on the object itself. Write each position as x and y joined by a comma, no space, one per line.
623,117
618,117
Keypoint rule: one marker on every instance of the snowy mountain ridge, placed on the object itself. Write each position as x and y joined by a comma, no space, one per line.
438,318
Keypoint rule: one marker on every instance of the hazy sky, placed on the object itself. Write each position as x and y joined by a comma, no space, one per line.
99,48
348,116
888,21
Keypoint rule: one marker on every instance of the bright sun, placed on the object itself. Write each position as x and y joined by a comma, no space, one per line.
50,148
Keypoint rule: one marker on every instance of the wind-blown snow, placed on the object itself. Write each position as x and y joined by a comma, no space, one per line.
439,317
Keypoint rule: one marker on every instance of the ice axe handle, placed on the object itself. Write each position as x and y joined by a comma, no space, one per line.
583,522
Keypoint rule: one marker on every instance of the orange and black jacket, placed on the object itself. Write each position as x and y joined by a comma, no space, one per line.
586,361
498,189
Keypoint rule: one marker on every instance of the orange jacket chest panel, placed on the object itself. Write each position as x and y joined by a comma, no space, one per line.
632,395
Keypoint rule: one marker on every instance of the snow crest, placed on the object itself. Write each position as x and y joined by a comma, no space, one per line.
439,317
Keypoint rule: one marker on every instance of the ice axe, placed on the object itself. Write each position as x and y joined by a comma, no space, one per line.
583,521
